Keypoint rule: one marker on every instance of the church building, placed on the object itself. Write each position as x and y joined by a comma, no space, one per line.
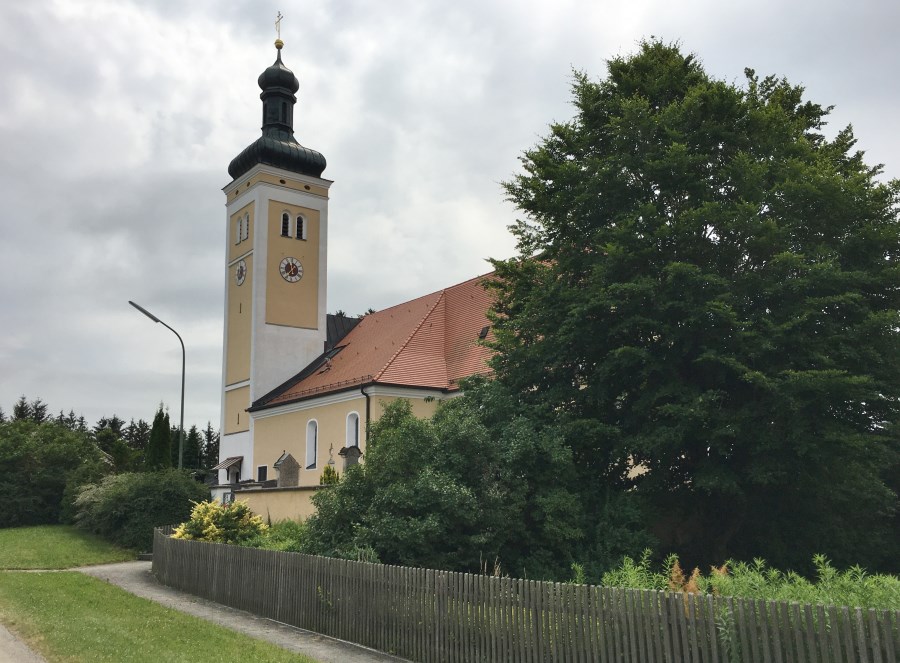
300,387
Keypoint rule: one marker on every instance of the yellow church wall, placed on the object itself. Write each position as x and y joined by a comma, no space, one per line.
421,408
287,432
239,249
293,304
237,419
275,434
275,504
238,321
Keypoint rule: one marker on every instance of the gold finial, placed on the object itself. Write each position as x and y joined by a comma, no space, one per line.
278,42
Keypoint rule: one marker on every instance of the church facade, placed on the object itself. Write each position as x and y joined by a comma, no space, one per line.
300,387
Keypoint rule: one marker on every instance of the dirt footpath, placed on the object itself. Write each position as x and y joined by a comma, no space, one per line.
135,577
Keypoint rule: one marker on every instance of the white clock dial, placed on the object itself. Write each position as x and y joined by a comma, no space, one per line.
291,270
240,274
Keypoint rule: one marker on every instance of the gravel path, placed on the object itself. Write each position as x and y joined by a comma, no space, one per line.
13,650
135,577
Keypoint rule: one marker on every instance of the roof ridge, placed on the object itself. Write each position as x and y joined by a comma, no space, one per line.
412,334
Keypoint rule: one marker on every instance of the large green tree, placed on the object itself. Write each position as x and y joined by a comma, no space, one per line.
38,465
705,301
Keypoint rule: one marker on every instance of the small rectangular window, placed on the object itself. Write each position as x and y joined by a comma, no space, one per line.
262,472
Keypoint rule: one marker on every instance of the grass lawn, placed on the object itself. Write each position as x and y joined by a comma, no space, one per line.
55,547
71,617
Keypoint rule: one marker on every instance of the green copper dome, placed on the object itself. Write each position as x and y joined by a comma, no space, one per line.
277,145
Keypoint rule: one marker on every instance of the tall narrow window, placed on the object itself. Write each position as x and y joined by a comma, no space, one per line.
312,433
352,430
237,230
246,231
285,225
301,228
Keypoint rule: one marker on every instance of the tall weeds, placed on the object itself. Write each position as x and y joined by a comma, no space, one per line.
853,587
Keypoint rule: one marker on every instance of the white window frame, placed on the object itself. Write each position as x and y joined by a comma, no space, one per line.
312,439
246,232
285,224
238,230
352,438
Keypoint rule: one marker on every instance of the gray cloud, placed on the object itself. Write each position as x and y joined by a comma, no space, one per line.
118,120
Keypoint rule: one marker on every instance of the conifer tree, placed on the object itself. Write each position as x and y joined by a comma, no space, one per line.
159,448
193,444
21,410
38,411
210,446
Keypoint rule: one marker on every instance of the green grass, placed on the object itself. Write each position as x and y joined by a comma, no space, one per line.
71,617
55,547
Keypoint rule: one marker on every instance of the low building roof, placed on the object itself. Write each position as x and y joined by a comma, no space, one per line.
430,342
231,461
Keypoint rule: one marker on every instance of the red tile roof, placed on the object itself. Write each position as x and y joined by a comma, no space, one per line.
430,342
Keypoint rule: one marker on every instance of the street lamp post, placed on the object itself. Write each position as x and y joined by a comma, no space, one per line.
181,424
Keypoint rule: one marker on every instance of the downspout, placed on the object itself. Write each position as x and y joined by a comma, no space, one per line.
366,394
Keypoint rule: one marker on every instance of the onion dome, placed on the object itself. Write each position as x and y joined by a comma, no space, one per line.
277,145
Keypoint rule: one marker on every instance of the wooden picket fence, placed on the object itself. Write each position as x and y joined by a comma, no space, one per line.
427,615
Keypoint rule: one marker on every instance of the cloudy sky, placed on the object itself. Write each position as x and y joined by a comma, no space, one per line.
118,120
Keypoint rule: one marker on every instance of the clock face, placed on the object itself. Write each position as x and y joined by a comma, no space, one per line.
291,270
240,273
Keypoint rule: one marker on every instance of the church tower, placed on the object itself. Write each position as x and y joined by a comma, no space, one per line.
276,249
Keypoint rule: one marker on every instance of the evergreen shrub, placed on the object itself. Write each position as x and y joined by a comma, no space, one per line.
124,508
221,523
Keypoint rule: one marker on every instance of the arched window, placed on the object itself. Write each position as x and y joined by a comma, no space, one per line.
312,434
352,430
301,228
246,232
237,230
285,225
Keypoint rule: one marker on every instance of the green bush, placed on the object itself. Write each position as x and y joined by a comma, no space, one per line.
125,508
221,523
285,535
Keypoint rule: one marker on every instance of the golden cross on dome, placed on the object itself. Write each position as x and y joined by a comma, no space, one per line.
278,25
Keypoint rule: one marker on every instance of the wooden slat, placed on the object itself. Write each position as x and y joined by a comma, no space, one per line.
822,634
691,617
888,633
809,626
860,635
874,638
762,621
663,633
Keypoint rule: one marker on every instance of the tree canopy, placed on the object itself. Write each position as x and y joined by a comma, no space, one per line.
705,303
